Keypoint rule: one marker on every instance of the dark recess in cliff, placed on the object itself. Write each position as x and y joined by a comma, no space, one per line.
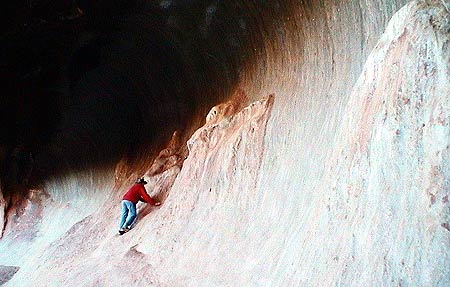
89,82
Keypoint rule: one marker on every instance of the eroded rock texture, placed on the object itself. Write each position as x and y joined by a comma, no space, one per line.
323,161
6,273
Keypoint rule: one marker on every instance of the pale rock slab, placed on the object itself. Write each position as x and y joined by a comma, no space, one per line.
361,203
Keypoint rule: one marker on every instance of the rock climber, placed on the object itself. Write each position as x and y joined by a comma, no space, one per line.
136,193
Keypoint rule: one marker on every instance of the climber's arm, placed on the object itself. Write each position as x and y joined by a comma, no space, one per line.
147,198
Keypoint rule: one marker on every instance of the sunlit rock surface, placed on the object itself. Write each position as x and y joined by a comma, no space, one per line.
332,170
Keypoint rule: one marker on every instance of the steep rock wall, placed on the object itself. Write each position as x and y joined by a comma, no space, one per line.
338,182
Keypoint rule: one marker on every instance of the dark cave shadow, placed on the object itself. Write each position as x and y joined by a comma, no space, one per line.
122,78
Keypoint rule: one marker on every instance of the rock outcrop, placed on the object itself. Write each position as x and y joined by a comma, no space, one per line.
6,273
326,164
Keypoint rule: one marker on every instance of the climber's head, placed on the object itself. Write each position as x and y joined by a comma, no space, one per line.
141,181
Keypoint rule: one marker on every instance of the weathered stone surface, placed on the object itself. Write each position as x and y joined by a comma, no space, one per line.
339,179
390,168
6,273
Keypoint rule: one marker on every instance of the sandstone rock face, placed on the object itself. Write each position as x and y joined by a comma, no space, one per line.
387,196
337,173
6,273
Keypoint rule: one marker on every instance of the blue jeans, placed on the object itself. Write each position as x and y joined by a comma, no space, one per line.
128,214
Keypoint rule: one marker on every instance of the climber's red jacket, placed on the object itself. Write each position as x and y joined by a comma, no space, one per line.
137,192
